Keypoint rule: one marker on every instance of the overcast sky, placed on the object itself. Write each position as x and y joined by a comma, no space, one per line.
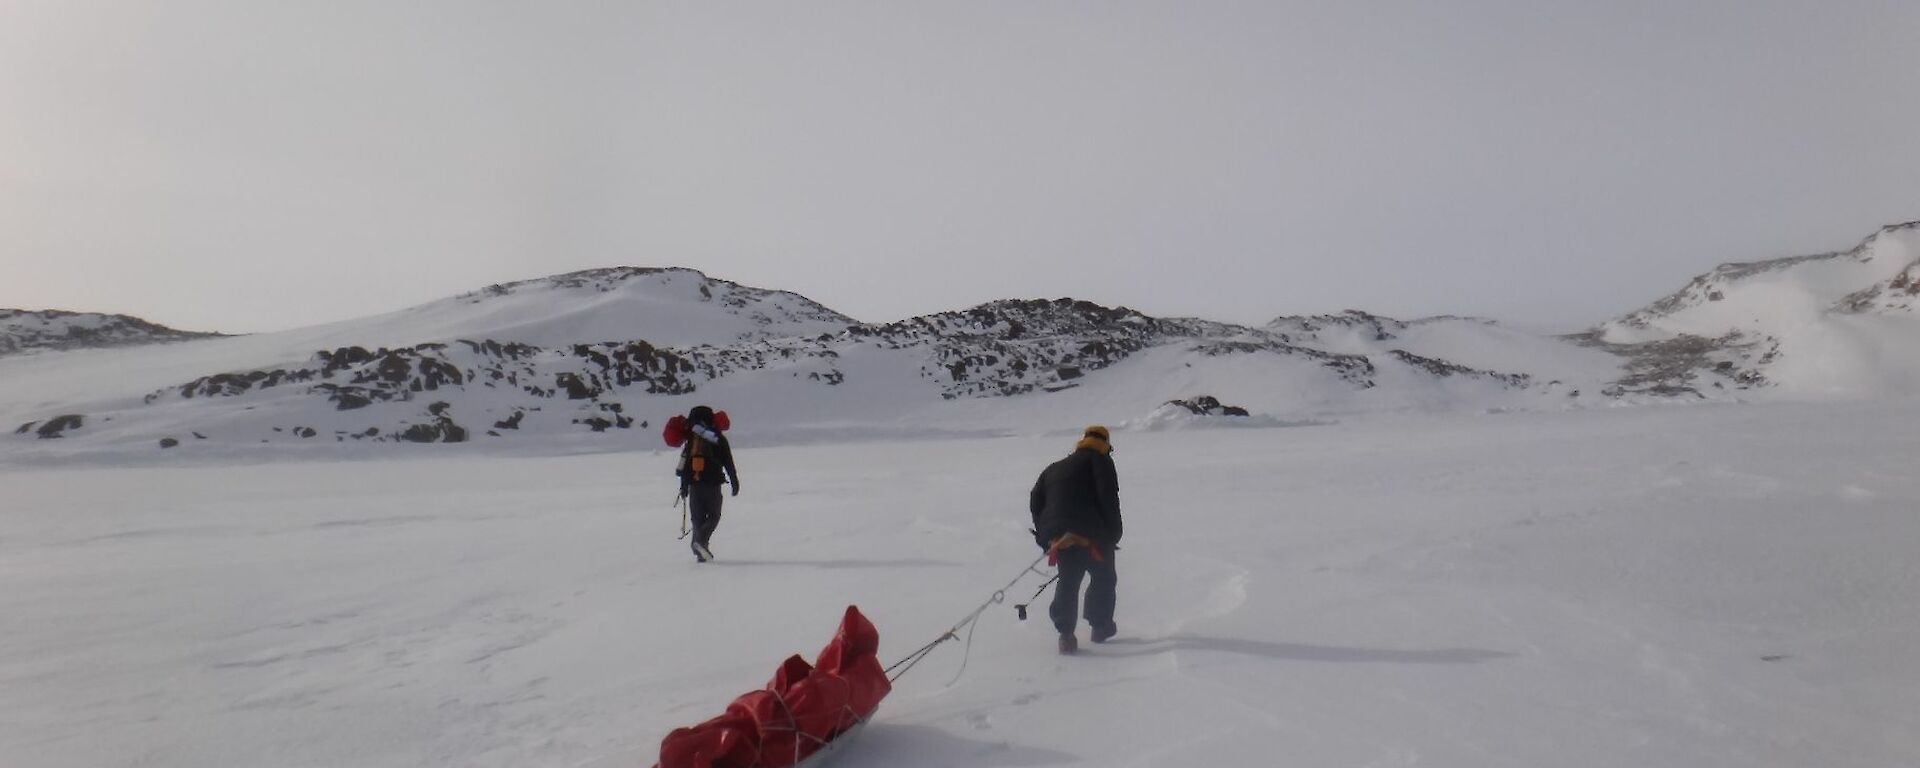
252,166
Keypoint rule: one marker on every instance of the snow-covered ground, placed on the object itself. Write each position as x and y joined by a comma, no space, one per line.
1669,586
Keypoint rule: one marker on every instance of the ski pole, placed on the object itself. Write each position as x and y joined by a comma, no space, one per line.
679,500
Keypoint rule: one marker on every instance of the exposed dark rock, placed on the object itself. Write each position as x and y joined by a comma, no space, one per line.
575,387
168,442
595,423
346,398
25,428
1443,369
510,422
442,431
58,424
1208,405
342,359
1675,367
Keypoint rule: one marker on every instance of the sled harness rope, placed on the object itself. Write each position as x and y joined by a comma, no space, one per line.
801,739
953,633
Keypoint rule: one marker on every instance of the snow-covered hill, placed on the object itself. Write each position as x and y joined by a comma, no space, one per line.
593,360
1832,323
28,330
669,307
546,362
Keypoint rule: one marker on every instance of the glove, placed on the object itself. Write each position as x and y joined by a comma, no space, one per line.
736,487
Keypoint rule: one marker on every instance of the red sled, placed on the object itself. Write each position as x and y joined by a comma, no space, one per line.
676,432
803,716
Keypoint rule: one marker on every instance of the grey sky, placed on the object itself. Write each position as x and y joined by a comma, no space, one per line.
248,166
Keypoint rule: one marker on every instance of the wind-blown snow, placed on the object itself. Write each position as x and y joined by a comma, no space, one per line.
1687,587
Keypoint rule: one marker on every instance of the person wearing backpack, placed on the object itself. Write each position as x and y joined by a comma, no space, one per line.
1076,519
706,461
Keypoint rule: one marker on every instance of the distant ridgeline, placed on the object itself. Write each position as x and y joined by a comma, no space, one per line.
28,331
584,352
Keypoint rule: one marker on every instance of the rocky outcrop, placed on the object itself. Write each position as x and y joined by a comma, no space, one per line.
1688,366
1208,405
1357,370
55,427
441,429
1309,327
1443,369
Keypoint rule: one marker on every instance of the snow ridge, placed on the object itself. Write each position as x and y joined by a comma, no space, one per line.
28,331
1839,322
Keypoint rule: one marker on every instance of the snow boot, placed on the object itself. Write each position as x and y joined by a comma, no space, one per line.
701,553
1068,645
1103,634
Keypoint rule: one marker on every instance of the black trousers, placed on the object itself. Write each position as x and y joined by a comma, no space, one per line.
703,505
1077,562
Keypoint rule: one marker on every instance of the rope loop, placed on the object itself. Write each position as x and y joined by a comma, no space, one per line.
969,623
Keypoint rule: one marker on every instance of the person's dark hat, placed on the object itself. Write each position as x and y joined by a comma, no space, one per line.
700,415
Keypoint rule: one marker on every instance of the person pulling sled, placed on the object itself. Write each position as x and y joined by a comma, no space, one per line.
706,462
1076,519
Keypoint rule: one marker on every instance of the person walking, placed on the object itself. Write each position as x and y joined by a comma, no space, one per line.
706,461
1076,519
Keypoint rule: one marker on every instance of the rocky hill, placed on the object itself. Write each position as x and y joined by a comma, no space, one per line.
749,346
1835,322
27,331
600,356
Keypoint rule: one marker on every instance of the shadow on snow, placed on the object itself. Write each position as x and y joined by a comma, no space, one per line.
1291,651
837,564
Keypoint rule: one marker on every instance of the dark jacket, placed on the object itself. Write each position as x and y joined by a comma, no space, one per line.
1078,494
719,456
